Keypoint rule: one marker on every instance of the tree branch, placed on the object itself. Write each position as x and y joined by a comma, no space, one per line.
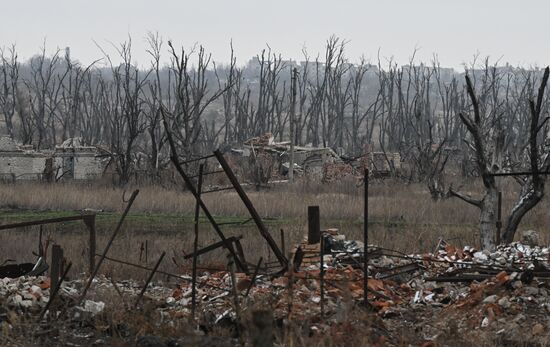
465,198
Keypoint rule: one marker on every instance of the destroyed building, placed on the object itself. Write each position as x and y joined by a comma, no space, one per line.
71,160
76,161
383,163
310,161
320,163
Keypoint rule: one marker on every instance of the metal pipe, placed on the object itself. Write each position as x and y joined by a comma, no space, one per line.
149,279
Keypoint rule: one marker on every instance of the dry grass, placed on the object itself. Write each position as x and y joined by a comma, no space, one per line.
400,216
344,200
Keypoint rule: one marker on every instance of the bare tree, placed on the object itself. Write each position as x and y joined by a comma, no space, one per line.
192,95
72,101
488,147
532,186
9,76
44,87
124,103
154,101
228,98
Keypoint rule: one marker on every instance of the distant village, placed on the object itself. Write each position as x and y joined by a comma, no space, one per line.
73,161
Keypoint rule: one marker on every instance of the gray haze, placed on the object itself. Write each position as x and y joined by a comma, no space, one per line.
512,31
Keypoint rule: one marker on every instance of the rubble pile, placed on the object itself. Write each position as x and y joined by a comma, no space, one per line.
463,293
337,171
452,294
24,293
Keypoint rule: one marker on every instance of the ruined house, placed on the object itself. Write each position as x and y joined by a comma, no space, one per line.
384,163
76,161
310,161
71,160
318,163
20,162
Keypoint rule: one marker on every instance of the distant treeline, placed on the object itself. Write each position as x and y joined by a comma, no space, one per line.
411,109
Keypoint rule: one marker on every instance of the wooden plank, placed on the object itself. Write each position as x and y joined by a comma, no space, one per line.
43,221
253,213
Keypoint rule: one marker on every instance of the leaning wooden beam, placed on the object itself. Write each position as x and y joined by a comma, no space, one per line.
195,246
253,213
117,229
212,247
190,186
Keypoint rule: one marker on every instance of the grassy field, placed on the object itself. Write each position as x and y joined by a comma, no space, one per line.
401,216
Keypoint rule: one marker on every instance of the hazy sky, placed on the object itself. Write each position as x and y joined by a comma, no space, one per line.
513,31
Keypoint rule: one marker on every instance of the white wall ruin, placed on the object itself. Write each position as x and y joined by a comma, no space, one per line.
68,161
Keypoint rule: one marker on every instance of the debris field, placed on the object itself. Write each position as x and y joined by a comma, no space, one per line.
448,297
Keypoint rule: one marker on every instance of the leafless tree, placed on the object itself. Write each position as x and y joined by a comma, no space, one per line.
227,83
192,95
44,91
487,144
9,76
124,103
93,119
532,186
154,102
72,101
363,117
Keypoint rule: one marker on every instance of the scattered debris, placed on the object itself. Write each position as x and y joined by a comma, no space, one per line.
453,293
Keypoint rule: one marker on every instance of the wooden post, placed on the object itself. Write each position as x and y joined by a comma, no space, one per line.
89,221
322,275
109,243
54,290
283,248
499,218
196,244
366,237
149,279
231,265
240,251
287,332
57,258
314,225
40,246
146,251
292,125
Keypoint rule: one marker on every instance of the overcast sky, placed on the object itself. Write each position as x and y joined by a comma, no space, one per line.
455,30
